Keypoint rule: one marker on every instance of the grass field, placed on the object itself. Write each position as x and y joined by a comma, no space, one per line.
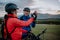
52,33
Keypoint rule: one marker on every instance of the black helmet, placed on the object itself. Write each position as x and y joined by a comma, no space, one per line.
10,7
27,9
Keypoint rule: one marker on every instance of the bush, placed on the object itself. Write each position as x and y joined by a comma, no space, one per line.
1,20
48,22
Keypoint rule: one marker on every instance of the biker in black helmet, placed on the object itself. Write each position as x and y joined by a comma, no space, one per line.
13,26
26,16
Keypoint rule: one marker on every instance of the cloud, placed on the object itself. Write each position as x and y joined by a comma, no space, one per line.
59,0
34,4
46,4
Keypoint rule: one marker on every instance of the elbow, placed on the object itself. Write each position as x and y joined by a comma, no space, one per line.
27,24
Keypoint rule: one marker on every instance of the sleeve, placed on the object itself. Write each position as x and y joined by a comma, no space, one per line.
24,31
23,23
33,24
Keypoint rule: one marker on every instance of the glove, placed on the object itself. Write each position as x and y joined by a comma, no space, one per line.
34,16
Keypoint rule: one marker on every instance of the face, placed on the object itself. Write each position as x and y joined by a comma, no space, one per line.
15,12
26,13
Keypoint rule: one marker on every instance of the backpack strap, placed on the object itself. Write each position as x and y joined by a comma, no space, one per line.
13,30
8,34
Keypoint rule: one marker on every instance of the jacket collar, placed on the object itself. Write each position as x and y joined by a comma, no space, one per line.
12,15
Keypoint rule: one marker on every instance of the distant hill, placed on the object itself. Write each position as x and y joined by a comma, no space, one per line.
48,16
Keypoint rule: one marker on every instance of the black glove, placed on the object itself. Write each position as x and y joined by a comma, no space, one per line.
34,16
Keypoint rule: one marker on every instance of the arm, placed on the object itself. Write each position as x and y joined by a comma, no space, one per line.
23,23
33,24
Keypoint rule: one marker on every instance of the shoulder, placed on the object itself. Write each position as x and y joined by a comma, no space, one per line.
21,18
12,19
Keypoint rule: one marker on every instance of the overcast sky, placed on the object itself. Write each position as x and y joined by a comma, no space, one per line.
34,4
46,4
41,4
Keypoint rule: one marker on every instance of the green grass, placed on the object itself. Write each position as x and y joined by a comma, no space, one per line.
52,33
